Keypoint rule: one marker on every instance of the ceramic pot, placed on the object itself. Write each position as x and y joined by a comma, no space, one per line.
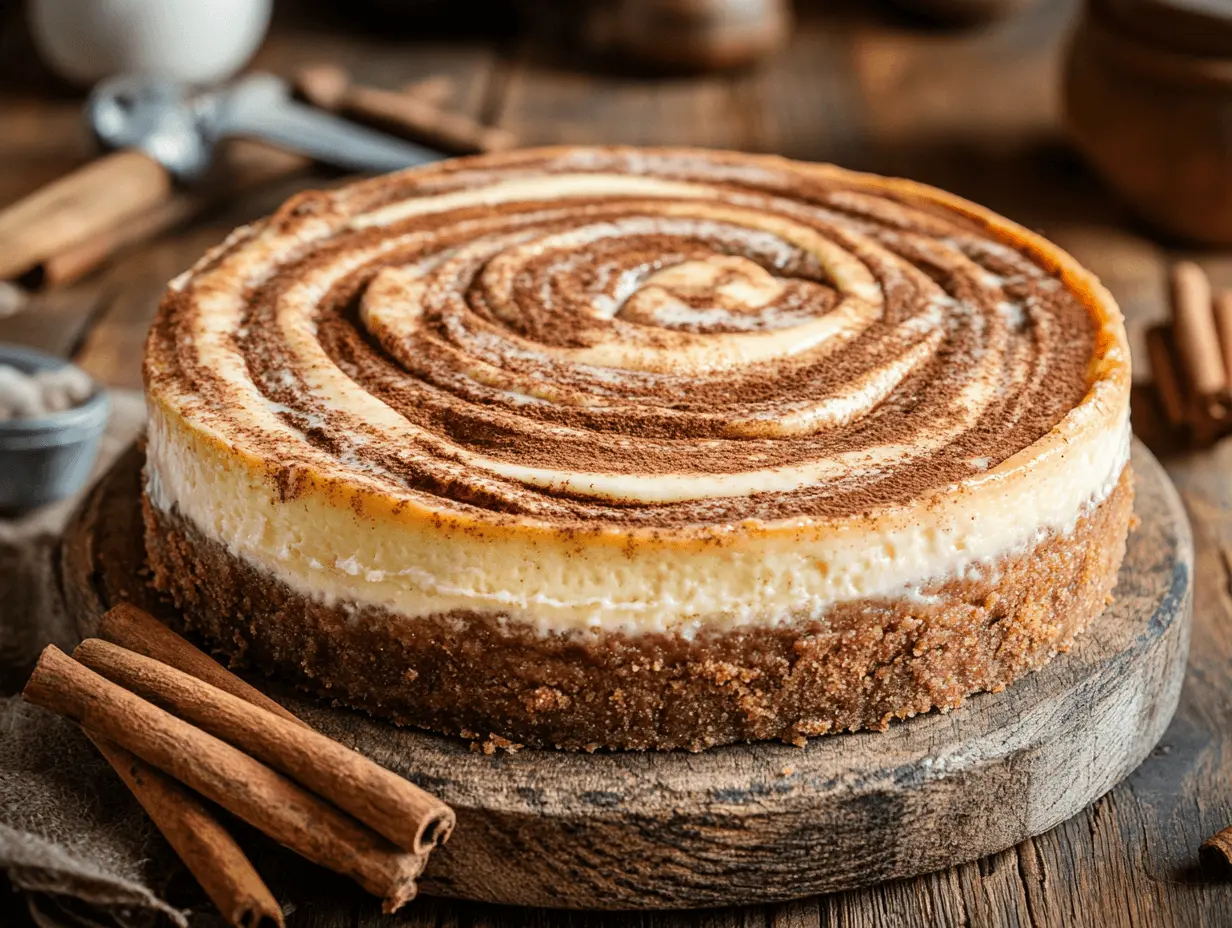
198,41
1153,122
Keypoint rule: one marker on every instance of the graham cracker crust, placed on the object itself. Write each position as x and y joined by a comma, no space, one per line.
861,666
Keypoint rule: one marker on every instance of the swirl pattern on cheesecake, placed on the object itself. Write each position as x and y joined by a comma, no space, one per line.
638,448
602,338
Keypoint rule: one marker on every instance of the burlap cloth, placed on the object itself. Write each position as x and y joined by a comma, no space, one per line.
72,838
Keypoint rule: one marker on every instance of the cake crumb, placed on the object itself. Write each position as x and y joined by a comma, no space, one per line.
494,743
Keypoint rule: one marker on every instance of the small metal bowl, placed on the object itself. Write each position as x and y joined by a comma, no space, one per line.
46,459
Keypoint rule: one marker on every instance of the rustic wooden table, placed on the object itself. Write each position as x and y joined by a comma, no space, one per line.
974,112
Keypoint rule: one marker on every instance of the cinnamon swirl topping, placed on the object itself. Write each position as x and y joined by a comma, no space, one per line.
619,337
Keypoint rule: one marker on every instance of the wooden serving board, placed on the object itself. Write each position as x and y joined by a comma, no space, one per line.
765,822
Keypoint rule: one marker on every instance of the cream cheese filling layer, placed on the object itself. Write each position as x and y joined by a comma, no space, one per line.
271,438
358,547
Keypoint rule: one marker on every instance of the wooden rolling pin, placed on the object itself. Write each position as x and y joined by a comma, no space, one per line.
409,112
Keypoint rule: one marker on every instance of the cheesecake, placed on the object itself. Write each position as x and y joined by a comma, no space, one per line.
605,447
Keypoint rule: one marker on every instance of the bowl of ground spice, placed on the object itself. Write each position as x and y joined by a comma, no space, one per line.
52,416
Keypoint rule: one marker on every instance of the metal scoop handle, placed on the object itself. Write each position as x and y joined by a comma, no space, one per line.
260,107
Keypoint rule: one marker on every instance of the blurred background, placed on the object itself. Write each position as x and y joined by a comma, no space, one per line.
1102,124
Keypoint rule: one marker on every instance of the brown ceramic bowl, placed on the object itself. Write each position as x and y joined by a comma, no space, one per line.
1153,122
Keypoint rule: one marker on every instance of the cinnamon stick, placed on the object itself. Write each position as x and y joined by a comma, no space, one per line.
436,90
1218,848
241,167
265,799
205,847
105,193
138,631
385,802
1223,326
1197,343
330,87
326,86
1163,372
79,259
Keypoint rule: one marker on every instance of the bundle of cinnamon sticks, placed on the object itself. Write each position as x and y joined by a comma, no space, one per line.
184,732
1191,356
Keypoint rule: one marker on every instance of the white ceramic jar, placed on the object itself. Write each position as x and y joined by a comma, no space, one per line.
199,41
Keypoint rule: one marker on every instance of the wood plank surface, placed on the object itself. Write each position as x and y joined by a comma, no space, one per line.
974,111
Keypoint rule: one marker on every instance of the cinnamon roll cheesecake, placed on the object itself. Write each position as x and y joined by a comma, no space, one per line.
612,447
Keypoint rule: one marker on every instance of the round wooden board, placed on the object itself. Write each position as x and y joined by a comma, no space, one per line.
765,822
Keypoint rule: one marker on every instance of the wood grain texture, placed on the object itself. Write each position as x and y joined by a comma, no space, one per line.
768,822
